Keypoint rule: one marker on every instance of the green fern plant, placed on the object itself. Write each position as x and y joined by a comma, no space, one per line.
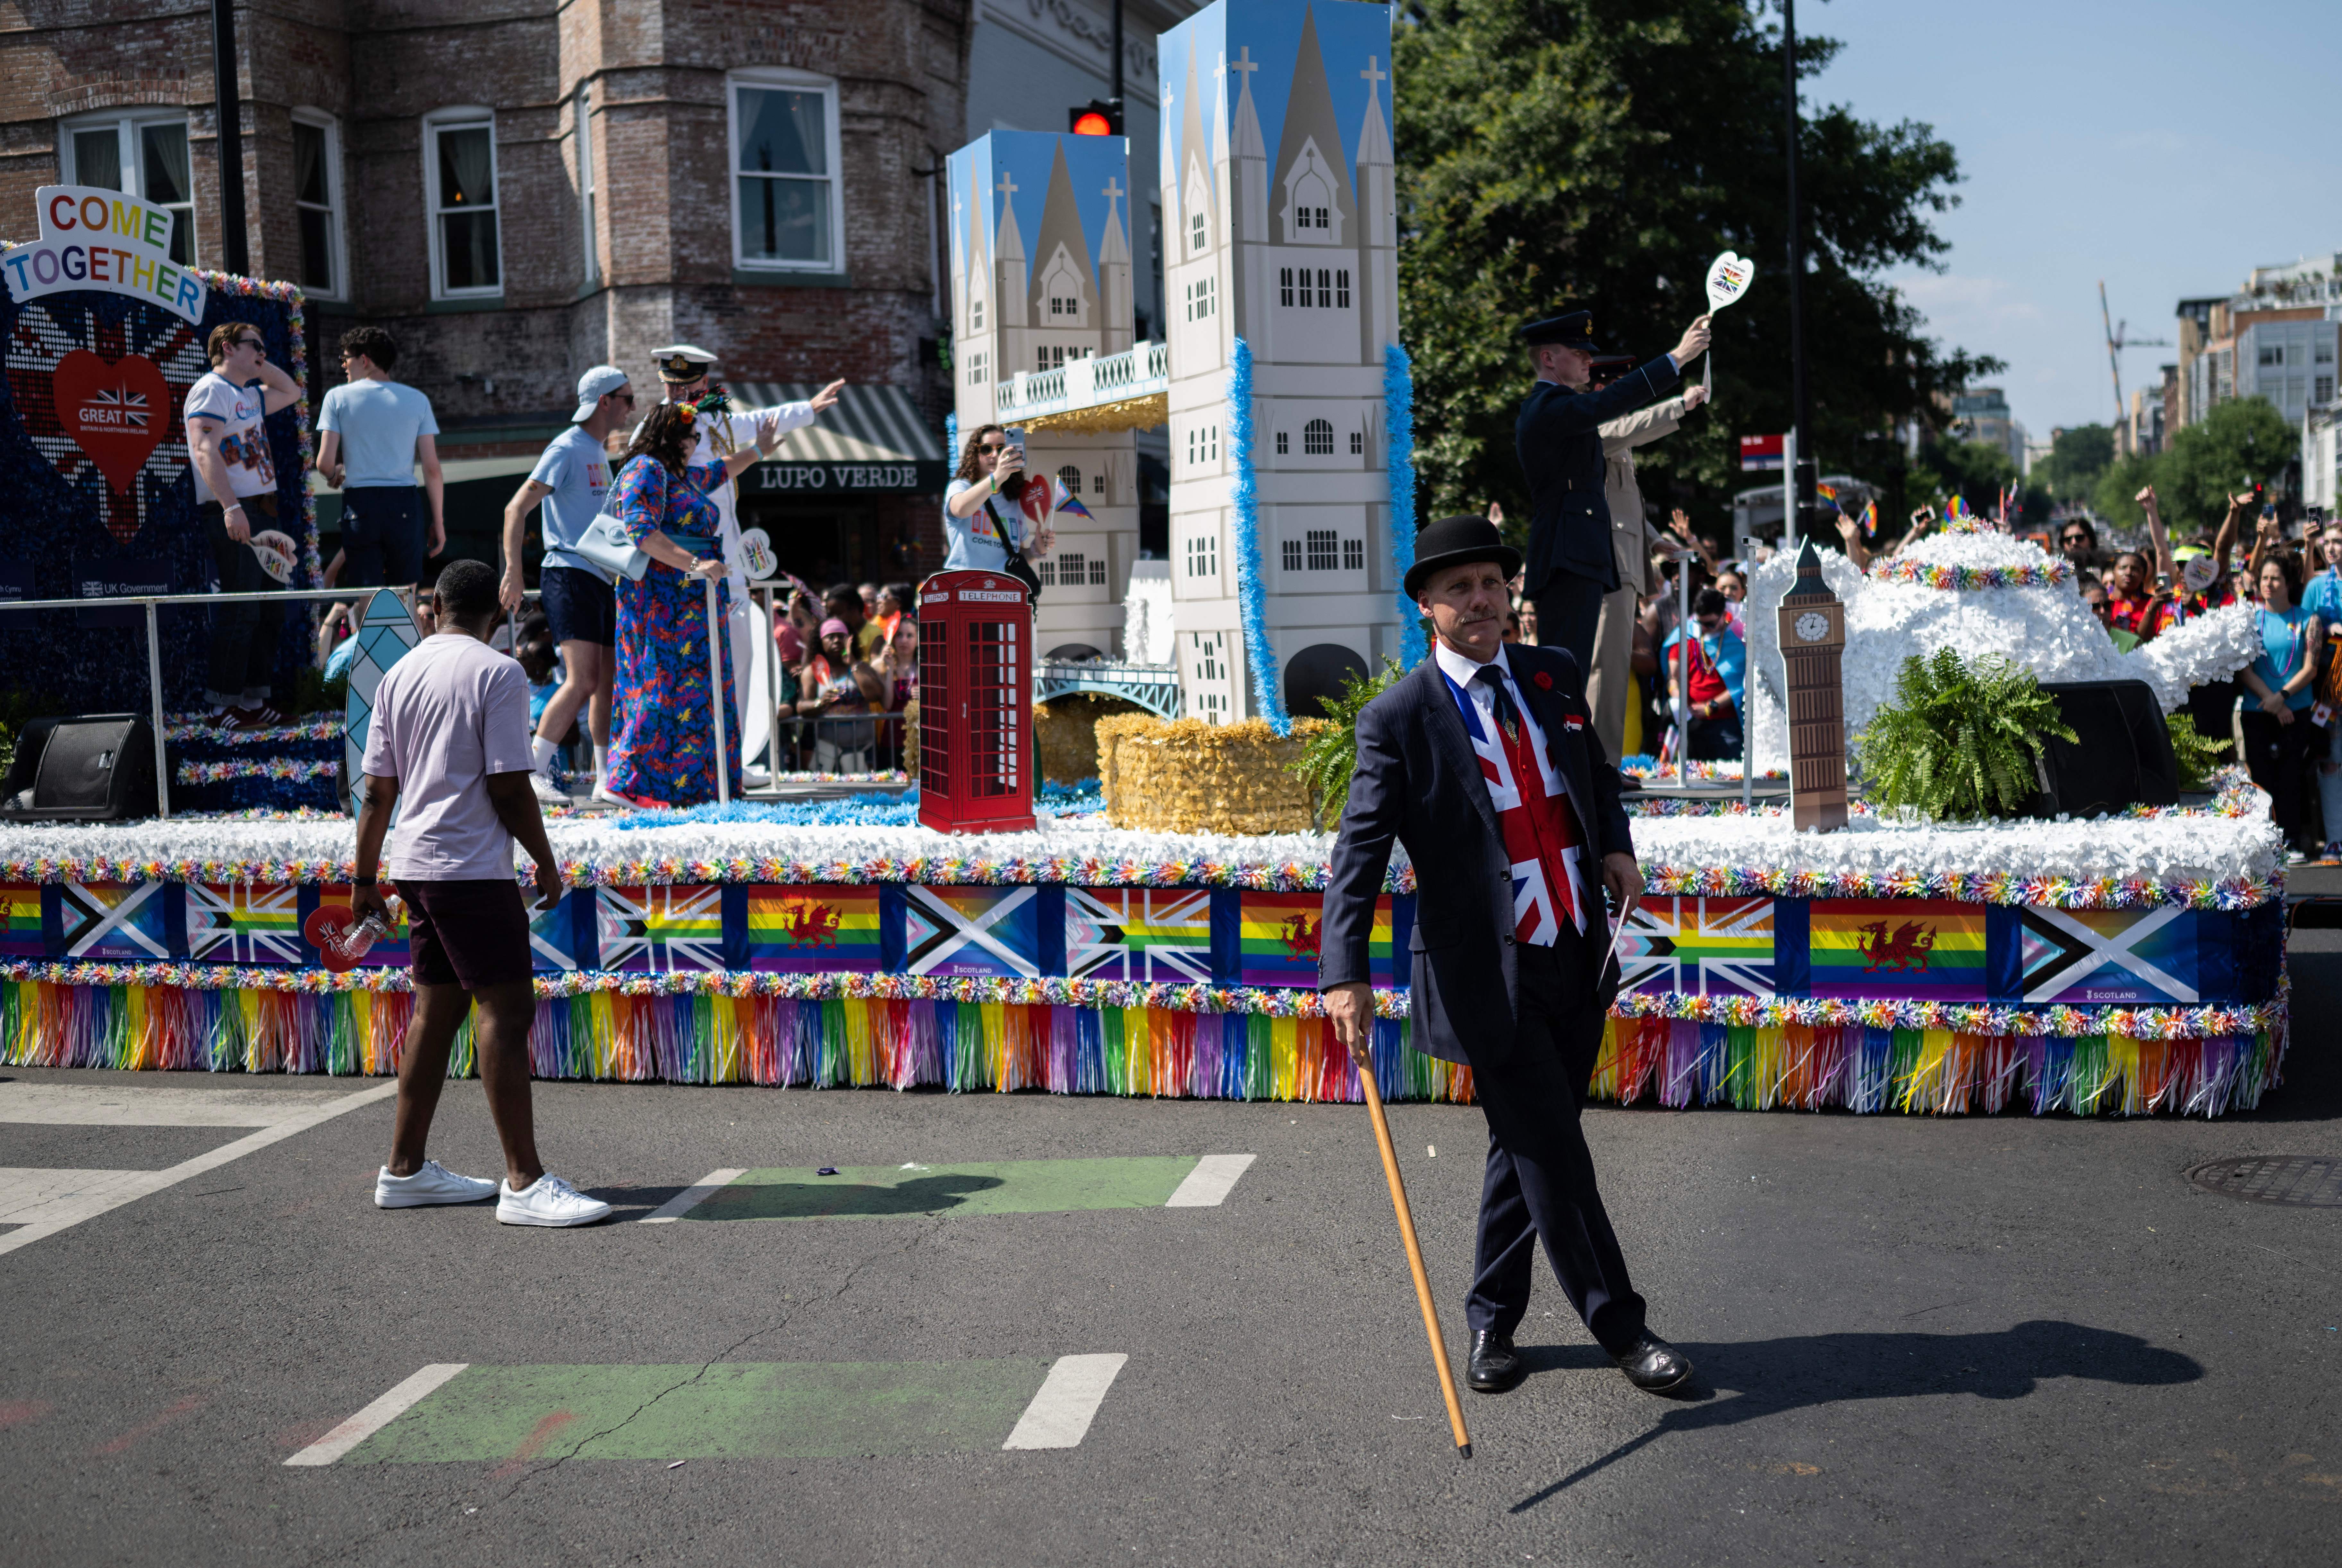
2196,754
1961,739
1330,756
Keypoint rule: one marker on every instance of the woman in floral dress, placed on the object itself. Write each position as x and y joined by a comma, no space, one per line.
663,741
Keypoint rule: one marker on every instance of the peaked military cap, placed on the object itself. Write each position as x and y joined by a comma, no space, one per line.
682,362
1575,330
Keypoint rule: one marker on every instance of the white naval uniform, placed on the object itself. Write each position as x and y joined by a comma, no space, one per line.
725,434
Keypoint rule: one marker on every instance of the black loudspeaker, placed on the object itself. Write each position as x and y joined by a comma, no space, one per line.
99,767
2121,756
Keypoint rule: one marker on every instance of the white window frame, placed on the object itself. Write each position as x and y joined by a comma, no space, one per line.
588,186
765,79
455,116
127,122
337,234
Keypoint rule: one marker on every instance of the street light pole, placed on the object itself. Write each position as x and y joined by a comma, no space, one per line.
1800,494
1115,92
235,254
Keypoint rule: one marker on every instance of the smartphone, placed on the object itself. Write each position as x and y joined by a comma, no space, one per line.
1014,486
1924,514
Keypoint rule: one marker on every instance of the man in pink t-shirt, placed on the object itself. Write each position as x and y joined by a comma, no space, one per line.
449,740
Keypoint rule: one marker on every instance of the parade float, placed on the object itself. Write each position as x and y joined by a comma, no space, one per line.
1159,936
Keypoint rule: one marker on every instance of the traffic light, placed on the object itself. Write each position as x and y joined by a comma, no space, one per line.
1097,117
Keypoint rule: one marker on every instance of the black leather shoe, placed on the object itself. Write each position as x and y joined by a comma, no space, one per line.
1655,1366
1496,1365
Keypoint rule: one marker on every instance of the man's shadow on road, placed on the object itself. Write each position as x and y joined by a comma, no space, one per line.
820,1200
1775,1375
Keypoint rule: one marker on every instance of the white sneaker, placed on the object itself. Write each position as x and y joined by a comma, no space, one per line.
548,792
548,1200
433,1183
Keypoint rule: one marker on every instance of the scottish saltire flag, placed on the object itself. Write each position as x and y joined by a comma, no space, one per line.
113,920
1067,500
2095,958
1538,907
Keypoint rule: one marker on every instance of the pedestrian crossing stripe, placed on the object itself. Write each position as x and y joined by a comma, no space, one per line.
510,1417
914,1190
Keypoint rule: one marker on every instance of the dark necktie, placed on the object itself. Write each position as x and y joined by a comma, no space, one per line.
1509,717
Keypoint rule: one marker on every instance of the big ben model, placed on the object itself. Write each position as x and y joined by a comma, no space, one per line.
1813,641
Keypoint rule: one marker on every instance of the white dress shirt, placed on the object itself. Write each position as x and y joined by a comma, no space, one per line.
1461,670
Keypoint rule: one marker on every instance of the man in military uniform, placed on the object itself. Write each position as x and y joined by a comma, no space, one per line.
683,368
1570,564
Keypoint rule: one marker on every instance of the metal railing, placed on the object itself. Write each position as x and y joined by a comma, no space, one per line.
1143,370
802,733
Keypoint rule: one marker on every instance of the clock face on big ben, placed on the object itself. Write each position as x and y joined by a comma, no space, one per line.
1812,626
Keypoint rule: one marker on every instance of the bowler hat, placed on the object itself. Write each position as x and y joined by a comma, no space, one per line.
1573,330
1446,542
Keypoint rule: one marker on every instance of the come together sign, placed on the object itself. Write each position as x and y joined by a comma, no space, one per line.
94,238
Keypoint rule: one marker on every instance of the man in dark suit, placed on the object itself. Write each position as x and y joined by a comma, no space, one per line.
1484,762
1560,443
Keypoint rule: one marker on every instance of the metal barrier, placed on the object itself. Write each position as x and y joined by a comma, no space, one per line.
803,732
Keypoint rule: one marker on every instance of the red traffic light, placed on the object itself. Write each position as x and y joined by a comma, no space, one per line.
1091,123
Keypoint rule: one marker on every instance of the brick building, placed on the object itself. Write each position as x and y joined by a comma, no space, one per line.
520,192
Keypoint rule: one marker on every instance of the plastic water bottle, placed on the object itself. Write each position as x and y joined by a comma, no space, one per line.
357,939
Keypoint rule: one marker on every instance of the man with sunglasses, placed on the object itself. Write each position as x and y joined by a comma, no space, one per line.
2078,543
236,485
571,481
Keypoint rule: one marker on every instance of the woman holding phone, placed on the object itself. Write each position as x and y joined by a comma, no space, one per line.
982,516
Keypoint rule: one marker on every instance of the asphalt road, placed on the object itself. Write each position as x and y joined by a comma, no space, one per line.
1982,1340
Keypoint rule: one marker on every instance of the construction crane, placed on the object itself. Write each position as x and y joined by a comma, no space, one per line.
2115,343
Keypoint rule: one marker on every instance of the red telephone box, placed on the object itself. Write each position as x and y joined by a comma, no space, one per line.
976,702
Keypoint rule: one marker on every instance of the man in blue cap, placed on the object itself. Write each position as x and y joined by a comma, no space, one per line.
1570,561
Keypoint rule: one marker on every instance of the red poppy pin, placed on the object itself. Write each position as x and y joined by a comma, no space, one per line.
1544,679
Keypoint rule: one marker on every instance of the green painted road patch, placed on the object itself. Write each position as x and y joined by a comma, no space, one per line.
1000,1187
731,1410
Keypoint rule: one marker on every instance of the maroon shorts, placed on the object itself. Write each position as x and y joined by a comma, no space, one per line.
469,934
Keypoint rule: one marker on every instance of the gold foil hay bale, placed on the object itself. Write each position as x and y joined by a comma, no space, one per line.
1185,776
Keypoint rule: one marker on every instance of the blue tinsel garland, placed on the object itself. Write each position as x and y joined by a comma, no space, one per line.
1260,656
1398,469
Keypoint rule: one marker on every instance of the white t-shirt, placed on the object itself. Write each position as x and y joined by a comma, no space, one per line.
446,715
238,411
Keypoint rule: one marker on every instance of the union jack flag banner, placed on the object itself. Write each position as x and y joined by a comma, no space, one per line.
100,400
1540,825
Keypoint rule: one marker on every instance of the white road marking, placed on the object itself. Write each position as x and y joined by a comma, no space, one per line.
1060,1414
23,1188
378,1415
89,1106
1214,1177
691,1197
58,1213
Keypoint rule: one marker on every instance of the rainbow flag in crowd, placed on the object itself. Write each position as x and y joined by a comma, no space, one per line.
1930,949
1870,519
1067,500
1957,508
1829,494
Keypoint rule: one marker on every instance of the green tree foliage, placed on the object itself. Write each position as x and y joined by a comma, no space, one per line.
1329,753
1960,739
2113,496
2237,444
2076,458
1557,153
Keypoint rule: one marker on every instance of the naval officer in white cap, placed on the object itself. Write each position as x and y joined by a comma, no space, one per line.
683,369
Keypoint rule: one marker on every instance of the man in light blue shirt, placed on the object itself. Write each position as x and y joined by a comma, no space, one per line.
571,481
377,431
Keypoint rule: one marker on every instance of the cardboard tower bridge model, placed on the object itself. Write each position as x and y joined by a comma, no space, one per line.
1275,382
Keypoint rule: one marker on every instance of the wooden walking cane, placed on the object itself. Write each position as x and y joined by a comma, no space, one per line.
1415,1258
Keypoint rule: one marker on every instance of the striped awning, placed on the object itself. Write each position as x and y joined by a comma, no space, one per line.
874,439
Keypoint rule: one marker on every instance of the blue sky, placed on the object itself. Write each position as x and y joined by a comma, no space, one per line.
2168,146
